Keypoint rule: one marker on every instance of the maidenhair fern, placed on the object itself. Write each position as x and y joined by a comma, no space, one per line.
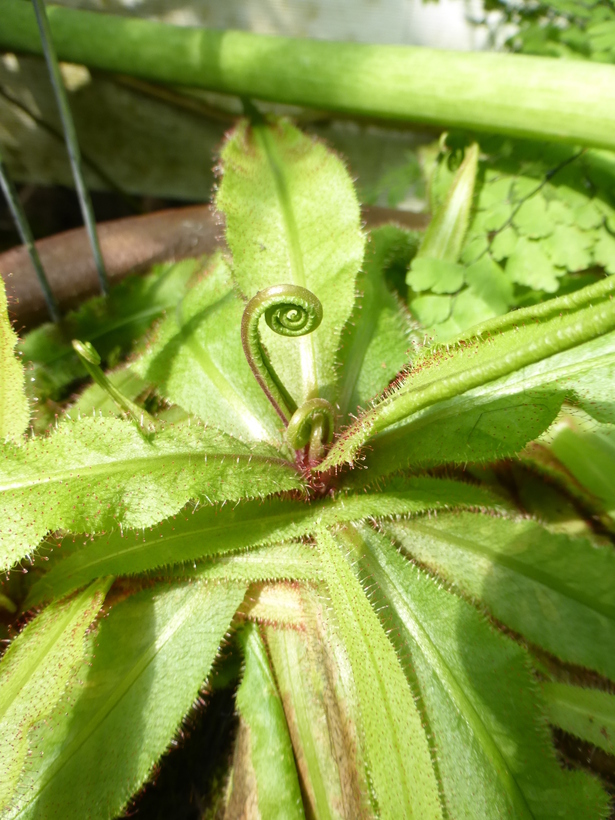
319,487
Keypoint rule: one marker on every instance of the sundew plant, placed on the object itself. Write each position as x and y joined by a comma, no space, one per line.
374,514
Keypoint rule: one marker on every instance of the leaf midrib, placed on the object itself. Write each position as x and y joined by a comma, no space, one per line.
18,682
112,467
306,343
119,692
454,689
534,574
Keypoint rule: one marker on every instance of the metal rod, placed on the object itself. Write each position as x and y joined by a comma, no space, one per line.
23,228
72,143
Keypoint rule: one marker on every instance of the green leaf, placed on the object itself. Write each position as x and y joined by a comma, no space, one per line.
537,350
604,252
95,399
504,243
35,671
585,713
196,360
529,265
431,310
112,324
554,590
278,562
447,230
395,743
312,671
376,343
590,457
14,410
569,247
192,535
292,217
259,704
87,761
532,219
96,474
469,310
437,275
488,281
494,754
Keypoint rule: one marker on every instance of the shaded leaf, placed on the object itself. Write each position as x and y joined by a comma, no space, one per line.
436,275
447,230
321,714
277,784
569,247
88,760
95,399
536,352
96,474
585,713
494,753
395,744
532,219
376,343
269,563
590,456
529,265
35,671
212,530
111,323
283,229
431,310
554,590
14,410
196,360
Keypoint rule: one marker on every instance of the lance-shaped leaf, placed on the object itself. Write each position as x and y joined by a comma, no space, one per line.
585,713
446,232
321,716
212,530
96,399
292,217
494,754
277,784
111,323
395,743
89,759
35,672
14,410
435,267
95,474
278,562
590,456
376,343
497,387
554,590
197,360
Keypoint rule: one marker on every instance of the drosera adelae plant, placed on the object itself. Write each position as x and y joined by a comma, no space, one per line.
406,627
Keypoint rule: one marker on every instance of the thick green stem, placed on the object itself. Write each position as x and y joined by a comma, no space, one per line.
533,97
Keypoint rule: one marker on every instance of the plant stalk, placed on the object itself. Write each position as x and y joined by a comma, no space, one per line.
23,228
535,97
72,143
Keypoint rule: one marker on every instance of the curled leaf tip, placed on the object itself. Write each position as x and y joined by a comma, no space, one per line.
289,310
